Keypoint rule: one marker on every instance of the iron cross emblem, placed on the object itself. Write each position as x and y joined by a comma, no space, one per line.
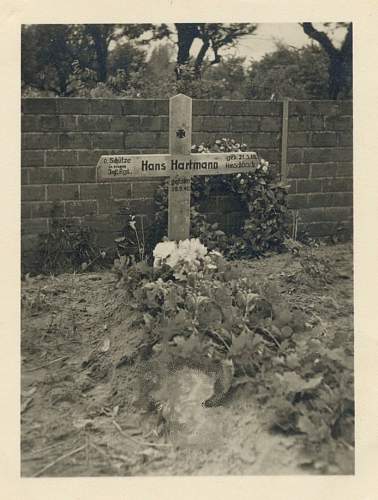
180,133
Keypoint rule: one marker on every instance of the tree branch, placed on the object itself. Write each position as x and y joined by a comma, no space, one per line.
200,56
347,46
321,38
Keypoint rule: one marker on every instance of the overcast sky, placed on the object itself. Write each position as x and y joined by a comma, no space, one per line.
263,41
264,38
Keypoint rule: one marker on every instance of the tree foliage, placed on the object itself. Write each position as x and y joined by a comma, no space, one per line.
105,60
104,34
48,52
158,78
126,57
289,72
340,60
52,55
230,76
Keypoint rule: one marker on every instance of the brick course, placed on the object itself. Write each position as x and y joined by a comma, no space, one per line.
63,138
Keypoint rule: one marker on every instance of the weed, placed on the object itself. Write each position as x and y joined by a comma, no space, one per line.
316,270
68,248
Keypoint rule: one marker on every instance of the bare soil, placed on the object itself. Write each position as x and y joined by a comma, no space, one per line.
80,400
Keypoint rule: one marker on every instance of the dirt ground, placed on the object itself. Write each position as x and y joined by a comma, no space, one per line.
79,398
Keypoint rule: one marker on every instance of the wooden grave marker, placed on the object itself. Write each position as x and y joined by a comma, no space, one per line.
179,166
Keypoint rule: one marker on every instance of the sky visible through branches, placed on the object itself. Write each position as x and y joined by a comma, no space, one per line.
263,41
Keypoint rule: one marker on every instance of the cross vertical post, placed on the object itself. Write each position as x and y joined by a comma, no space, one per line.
180,143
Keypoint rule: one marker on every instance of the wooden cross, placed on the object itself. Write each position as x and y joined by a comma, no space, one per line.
179,166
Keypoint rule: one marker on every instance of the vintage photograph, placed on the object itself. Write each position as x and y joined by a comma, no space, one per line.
187,249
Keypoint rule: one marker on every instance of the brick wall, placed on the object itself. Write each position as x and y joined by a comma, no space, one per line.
320,157
62,140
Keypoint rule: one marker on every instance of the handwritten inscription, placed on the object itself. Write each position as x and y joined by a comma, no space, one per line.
241,160
117,160
180,184
114,171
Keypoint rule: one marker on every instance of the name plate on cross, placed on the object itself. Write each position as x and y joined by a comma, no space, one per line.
120,167
179,166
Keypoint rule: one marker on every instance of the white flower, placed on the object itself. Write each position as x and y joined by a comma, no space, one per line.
173,259
212,267
186,256
162,251
191,249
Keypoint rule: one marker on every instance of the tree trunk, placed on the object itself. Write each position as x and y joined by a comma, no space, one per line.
200,58
62,83
101,48
340,60
336,79
186,33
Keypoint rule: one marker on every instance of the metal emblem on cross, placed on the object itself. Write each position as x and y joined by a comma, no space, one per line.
180,133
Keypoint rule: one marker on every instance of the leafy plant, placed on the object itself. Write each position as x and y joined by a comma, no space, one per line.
220,317
68,248
132,237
